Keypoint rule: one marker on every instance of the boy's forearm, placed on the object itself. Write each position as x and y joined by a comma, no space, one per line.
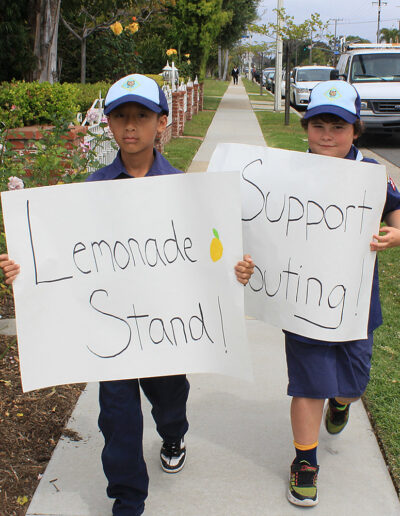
392,219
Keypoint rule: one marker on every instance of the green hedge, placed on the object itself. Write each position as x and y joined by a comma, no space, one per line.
33,103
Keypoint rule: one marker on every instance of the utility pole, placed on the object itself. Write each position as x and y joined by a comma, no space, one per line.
278,61
336,20
311,45
379,3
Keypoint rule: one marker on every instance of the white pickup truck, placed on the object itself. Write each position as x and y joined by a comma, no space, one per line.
374,70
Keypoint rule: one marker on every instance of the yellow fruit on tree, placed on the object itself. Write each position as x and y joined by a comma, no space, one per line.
216,247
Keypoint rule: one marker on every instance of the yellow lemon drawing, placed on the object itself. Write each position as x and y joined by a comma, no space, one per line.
216,247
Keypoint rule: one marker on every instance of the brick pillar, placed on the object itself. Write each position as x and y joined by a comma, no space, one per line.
163,139
201,96
189,112
181,112
175,114
196,99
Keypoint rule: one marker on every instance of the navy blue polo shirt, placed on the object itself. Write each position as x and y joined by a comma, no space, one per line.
375,312
117,170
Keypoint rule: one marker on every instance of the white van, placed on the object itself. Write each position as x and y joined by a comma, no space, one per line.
374,70
304,78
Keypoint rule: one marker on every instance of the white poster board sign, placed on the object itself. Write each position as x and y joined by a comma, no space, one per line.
308,221
125,279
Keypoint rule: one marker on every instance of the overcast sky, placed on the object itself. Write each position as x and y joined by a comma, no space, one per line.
358,17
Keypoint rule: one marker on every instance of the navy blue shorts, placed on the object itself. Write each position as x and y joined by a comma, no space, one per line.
322,371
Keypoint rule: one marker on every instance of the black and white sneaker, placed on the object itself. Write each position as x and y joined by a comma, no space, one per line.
173,456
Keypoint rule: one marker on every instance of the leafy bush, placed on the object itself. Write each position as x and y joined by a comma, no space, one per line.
33,103
87,93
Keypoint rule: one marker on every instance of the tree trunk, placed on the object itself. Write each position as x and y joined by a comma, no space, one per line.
83,60
47,14
226,64
219,62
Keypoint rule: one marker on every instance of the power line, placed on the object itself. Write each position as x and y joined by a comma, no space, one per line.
369,21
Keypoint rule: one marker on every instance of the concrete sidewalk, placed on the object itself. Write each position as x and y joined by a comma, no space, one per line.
239,441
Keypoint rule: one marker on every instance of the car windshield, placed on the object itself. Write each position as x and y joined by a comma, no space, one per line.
375,68
317,74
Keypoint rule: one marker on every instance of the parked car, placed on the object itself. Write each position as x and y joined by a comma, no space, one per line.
303,80
283,84
374,70
265,74
269,76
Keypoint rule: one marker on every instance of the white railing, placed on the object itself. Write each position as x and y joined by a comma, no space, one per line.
94,121
168,93
183,88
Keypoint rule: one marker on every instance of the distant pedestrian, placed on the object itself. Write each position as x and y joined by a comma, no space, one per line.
235,74
337,371
253,73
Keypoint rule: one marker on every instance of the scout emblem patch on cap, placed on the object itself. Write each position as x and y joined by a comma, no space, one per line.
332,94
130,84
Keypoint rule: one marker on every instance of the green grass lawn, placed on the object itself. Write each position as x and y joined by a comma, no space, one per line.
252,87
382,398
180,152
277,134
211,103
199,124
213,93
215,88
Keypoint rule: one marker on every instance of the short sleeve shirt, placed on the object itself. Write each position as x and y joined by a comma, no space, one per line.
117,170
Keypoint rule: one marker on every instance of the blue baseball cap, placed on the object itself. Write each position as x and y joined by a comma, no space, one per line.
336,97
136,88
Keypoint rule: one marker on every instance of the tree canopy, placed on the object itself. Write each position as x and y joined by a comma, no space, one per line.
79,39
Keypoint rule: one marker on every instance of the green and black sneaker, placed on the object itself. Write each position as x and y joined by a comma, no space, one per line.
303,484
335,418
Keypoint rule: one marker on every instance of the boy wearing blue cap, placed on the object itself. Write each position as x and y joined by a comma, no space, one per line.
137,112
339,371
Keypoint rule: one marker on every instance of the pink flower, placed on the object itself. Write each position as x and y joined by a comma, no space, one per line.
15,183
92,116
85,146
13,107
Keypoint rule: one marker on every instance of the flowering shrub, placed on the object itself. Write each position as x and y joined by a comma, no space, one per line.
116,28
15,183
92,116
171,52
132,27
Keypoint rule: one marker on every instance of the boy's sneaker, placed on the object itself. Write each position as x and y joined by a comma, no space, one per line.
173,456
336,420
303,484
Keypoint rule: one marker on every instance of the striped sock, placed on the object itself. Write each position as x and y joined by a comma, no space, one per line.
307,453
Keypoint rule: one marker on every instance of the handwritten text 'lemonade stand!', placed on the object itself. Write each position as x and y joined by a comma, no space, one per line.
144,279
